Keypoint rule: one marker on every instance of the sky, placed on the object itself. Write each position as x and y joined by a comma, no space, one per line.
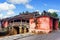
9,8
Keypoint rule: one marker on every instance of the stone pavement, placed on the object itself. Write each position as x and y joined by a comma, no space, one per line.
15,37
51,36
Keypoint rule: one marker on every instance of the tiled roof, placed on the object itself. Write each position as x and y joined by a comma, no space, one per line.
25,16
44,13
28,15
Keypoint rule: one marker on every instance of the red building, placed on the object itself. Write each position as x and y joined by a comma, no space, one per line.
33,21
19,23
44,22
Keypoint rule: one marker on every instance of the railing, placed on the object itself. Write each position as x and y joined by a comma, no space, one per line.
18,23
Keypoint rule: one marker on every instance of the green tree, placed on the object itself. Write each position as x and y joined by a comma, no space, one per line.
54,14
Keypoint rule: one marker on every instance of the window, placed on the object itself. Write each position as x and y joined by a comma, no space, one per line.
17,20
27,21
23,20
11,21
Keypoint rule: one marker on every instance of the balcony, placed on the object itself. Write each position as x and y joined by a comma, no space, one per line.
18,23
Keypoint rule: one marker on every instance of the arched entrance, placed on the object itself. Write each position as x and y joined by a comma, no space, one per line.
15,30
18,30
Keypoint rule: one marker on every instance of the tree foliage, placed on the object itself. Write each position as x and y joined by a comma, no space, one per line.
54,14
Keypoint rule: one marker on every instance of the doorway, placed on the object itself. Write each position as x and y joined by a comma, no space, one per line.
16,30
54,24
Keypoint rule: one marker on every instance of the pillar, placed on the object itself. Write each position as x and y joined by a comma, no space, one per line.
24,30
20,27
20,30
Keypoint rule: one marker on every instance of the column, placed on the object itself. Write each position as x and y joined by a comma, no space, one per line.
25,27
20,27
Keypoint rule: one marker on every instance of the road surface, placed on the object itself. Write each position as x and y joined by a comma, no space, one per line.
52,36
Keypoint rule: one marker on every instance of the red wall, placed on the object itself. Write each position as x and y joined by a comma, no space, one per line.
56,24
51,24
32,24
43,23
5,23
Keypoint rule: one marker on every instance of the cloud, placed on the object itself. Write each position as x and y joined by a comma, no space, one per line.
29,6
24,2
7,14
19,1
6,6
10,12
1,15
6,10
53,10
45,4
38,11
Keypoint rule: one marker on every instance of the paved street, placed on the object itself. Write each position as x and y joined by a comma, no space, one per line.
51,36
